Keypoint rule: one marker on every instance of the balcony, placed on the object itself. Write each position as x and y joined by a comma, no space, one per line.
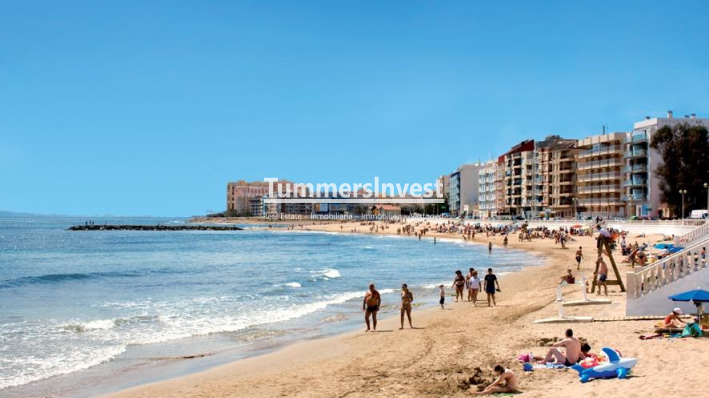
636,168
600,164
599,177
635,182
603,150
599,189
637,138
635,198
634,153
601,202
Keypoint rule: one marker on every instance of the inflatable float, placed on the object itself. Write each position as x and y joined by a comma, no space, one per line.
614,367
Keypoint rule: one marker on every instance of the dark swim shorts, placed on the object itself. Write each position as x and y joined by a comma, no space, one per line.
373,308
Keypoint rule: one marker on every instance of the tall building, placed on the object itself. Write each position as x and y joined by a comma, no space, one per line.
518,165
464,188
240,193
487,205
555,176
600,165
642,193
444,182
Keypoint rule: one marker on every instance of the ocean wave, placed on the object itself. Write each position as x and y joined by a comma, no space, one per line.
70,362
328,273
56,278
292,284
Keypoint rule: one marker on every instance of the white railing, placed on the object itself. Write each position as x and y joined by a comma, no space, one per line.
665,271
667,223
701,231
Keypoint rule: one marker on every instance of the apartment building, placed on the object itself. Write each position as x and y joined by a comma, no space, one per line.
600,164
240,193
642,193
444,182
464,191
554,179
487,203
518,169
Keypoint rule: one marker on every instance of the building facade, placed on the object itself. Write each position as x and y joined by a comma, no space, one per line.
600,163
487,203
464,188
555,176
240,193
518,169
642,193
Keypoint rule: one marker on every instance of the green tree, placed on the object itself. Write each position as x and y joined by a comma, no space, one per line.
684,149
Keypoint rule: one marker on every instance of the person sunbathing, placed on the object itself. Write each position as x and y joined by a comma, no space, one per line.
572,347
506,382
672,320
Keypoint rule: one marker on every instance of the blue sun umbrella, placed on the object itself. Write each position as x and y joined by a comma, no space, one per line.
697,296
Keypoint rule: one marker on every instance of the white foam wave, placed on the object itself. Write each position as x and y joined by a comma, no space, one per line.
329,273
292,284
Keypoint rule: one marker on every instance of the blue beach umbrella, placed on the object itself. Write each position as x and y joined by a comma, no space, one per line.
697,296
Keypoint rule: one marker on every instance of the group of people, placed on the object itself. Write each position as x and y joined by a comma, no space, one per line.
472,283
373,299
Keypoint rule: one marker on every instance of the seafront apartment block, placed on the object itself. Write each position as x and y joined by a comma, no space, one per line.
600,164
464,189
555,178
641,185
488,192
518,165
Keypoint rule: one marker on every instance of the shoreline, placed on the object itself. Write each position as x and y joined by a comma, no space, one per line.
299,348
450,347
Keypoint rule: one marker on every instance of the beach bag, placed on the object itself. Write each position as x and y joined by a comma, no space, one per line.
692,330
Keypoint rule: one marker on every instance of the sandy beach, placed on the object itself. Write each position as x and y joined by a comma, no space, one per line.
451,352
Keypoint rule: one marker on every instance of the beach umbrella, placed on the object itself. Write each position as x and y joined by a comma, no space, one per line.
697,296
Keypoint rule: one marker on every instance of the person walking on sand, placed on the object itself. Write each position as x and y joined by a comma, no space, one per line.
442,301
506,382
491,285
370,306
467,283
571,345
459,285
406,298
579,256
474,287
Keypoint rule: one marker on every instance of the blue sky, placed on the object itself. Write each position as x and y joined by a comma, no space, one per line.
150,107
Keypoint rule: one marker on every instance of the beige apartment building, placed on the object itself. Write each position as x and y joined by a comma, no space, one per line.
600,172
517,180
555,179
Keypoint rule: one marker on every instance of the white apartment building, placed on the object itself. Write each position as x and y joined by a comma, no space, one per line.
464,188
642,186
487,206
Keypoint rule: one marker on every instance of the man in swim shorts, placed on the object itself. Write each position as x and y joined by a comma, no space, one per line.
571,345
602,276
370,306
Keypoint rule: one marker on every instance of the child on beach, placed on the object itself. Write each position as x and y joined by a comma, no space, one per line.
443,297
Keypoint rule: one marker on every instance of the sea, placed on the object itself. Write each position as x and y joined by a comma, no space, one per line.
85,313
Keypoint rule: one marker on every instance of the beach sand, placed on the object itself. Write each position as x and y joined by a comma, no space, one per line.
452,348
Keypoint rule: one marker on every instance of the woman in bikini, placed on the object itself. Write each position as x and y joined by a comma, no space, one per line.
406,298
459,285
